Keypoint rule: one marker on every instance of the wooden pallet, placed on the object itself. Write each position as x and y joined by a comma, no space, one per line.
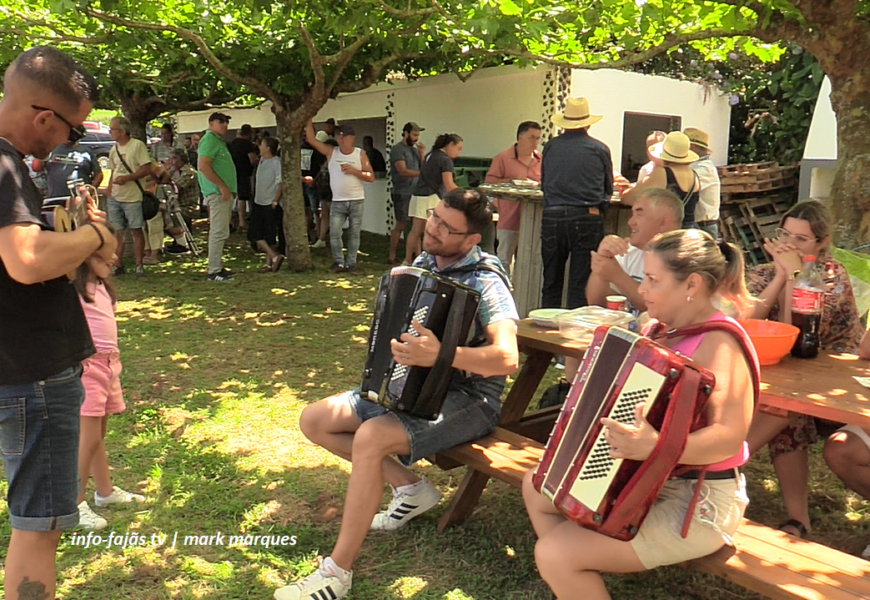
739,186
732,177
734,170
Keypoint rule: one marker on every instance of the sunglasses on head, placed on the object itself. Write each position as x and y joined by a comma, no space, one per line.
75,133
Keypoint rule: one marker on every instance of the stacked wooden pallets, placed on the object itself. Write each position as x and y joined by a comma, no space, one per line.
754,198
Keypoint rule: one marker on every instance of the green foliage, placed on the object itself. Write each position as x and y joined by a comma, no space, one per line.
772,103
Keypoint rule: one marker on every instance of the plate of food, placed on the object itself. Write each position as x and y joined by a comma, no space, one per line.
546,317
524,183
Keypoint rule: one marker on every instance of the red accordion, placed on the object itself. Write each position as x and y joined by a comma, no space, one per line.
621,369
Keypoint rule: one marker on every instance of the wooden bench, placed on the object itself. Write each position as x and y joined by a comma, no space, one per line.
765,561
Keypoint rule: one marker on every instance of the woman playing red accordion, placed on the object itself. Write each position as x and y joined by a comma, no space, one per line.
686,275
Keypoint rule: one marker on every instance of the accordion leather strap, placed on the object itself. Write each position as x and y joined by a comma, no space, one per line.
439,375
656,469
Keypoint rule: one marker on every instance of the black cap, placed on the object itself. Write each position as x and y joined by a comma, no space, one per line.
345,129
219,116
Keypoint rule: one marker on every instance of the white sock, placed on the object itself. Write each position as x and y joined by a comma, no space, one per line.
328,565
412,489
181,241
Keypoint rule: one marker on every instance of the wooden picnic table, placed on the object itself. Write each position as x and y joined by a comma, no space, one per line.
822,387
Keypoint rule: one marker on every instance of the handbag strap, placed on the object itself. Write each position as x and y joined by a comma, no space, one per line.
129,170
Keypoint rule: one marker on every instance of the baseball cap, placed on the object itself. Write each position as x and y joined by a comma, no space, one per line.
345,129
321,136
411,126
219,116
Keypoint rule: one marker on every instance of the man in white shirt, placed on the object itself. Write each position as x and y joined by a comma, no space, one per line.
618,263
707,210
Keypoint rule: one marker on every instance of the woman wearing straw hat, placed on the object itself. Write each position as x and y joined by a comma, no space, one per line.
674,174
577,181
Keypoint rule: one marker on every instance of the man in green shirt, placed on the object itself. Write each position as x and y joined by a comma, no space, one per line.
217,180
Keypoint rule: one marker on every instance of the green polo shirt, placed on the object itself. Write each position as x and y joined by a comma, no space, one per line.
221,161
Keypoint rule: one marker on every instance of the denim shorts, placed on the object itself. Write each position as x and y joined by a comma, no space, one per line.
125,215
39,440
464,418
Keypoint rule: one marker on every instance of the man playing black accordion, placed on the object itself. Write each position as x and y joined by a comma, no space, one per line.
349,426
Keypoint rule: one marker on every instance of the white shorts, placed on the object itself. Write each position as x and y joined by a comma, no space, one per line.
420,204
857,431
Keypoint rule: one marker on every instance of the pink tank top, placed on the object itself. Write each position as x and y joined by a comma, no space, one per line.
687,347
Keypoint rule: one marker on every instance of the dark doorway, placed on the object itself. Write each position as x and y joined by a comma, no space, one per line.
635,129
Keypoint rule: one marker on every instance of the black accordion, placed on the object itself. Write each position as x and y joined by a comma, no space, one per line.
440,304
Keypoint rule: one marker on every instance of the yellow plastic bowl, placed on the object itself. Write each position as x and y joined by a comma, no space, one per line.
772,339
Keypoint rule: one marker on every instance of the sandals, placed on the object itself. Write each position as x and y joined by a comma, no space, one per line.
801,528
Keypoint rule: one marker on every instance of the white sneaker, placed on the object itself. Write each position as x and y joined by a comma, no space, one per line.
322,584
89,520
118,496
405,507
319,244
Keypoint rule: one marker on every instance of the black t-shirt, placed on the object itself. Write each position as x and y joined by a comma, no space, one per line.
430,180
376,159
240,148
42,327
312,160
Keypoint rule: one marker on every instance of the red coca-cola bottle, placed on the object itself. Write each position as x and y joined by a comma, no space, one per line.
807,302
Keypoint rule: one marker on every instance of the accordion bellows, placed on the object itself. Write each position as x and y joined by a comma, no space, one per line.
440,304
620,370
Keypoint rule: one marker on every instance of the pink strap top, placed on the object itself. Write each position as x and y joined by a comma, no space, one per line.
687,347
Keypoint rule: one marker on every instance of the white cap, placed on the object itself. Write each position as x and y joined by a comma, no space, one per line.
321,136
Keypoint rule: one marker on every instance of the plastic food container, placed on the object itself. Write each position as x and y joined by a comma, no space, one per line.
580,324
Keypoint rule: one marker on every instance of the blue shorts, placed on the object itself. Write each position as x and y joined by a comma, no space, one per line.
464,418
39,442
125,215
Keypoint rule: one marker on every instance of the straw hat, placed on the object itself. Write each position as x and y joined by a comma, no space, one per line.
698,137
576,115
674,149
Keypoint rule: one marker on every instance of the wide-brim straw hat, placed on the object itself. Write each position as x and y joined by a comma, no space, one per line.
576,115
699,137
674,149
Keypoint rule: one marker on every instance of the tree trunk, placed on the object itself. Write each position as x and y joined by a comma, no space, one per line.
139,115
850,193
292,200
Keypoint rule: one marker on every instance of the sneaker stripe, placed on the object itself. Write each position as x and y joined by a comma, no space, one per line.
332,595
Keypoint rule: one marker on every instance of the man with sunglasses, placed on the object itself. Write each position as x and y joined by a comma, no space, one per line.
218,183
346,424
43,333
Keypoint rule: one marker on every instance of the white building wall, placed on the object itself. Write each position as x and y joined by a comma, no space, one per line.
612,93
822,138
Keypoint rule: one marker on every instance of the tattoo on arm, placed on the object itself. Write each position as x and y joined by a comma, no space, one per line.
31,590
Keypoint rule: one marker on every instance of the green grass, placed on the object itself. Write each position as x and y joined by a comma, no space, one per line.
215,377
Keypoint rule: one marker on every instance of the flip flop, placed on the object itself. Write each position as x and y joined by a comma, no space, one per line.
801,528
276,262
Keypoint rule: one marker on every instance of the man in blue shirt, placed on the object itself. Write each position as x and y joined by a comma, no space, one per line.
577,181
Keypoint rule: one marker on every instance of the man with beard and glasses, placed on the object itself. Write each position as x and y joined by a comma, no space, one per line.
349,426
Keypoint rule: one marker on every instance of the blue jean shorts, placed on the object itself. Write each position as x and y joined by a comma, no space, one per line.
125,215
464,418
39,442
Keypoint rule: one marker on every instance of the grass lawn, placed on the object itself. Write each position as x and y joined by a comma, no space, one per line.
215,377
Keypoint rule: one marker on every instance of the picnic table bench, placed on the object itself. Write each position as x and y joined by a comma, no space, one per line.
765,561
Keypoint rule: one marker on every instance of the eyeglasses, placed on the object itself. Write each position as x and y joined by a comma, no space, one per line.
75,133
443,227
784,236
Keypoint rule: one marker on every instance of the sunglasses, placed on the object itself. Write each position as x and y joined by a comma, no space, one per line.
75,133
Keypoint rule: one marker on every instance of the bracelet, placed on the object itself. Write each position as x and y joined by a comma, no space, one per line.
99,235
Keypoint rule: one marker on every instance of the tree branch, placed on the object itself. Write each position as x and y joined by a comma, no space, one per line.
409,13
670,41
372,73
218,65
58,35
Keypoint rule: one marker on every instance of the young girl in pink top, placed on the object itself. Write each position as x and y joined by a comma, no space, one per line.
685,271
101,379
